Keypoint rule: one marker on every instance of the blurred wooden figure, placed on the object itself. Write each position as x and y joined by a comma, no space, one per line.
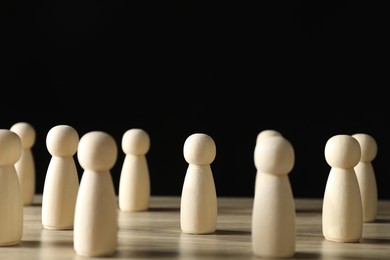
261,136
342,211
134,183
366,176
61,181
25,166
96,218
265,133
198,208
11,202
273,215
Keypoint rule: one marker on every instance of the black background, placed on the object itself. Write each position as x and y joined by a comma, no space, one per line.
309,69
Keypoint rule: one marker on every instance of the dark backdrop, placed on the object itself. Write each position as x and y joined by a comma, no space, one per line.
230,69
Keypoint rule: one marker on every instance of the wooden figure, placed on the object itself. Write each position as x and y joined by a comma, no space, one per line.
273,215
134,183
266,133
61,181
198,208
95,223
261,135
11,202
342,211
25,166
366,176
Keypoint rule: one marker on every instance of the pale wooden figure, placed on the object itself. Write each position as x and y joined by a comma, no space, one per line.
25,166
198,208
265,133
366,176
342,211
134,183
273,215
61,181
11,202
96,218
260,136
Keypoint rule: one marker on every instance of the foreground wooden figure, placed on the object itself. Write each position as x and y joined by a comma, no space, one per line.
11,202
61,181
273,215
95,222
198,208
342,213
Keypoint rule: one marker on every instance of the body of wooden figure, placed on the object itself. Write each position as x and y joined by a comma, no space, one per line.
61,181
198,206
342,212
273,216
11,202
96,223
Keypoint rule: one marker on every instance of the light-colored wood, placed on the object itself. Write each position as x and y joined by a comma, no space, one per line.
366,175
61,182
198,210
156,234
134,183
11,202
96,221
273,217
261,136
25,166
265,133
342,218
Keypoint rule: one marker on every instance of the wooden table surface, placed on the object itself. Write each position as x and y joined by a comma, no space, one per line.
156,234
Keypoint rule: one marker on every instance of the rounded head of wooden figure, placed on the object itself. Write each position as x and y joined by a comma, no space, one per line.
266,133
275,155
62,141
368,146
10,147
342,151
97,151
199,149
26,133
135,141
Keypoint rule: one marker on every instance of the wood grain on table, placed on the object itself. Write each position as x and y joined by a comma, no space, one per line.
156,234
